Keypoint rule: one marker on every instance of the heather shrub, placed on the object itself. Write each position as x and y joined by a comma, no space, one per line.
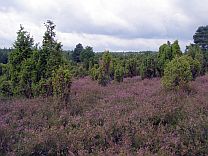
173,118
49,144
194,139
117,133
137,140
131,118
177,73
5,140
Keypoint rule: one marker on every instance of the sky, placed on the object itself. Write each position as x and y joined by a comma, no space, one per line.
115,25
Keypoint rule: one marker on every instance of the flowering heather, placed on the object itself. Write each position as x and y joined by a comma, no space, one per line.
135,117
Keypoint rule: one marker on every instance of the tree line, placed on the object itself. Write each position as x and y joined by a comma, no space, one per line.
30,70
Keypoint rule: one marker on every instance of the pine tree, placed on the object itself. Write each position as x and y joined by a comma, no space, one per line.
77,52
201,37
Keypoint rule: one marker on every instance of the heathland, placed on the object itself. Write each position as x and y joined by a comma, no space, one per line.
58,102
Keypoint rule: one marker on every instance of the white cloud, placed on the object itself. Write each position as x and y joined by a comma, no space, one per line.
114,43
115,24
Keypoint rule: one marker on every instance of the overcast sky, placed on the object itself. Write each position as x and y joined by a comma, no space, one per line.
116,25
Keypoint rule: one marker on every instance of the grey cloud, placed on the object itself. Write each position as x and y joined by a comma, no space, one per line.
71,20
159,19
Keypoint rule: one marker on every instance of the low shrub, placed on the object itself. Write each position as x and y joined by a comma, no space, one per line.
177,73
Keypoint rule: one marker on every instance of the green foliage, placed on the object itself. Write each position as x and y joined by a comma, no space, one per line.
43,87
4,70
205,61
106,60
61,82
51,53
196,54
79,71
5,83
94,72
119,73
103,78
27,77
118,66
148,68
104,69
113,65
4,55
50,59
176,51
166,53
201,37
195,67
86,57
1,69
23,50
177,73
76,53
5,87
131,67
29,71
164,57
23,47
